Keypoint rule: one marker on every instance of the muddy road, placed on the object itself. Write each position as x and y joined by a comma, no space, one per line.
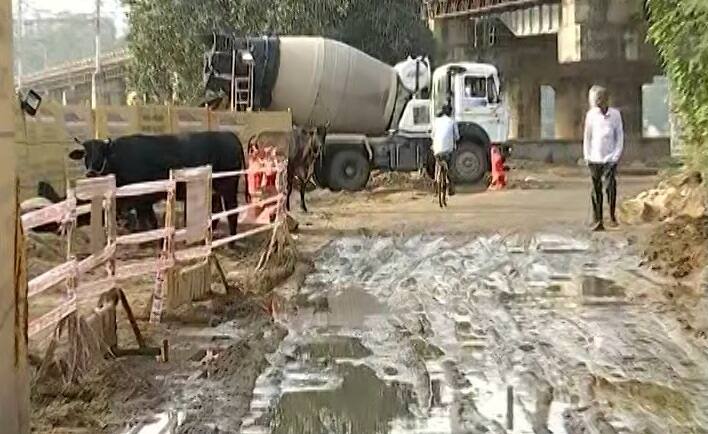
501,310
428,334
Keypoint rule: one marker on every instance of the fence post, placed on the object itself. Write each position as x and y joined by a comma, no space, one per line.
167,254
111,229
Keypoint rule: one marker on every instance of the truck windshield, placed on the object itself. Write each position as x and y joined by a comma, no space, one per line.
476,87
421,115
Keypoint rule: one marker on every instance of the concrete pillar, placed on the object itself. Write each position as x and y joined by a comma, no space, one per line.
602,30
530,125
571,106
14,384
627,98
524,102
512,96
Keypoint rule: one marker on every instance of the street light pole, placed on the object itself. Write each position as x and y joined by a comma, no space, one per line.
97,66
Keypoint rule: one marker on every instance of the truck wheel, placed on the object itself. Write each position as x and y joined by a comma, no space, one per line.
349,170
469,163
320,174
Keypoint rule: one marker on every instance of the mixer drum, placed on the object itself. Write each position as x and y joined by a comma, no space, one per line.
326,82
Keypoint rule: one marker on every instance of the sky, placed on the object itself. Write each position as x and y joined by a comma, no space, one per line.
110,8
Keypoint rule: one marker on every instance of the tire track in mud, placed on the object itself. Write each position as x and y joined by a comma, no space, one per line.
446,324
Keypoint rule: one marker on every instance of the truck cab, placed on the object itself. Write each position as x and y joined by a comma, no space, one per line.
474,92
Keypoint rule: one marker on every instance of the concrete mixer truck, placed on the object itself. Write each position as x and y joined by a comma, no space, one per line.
376,116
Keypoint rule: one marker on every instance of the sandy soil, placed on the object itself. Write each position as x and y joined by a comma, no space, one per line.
678,247
544,197
223,342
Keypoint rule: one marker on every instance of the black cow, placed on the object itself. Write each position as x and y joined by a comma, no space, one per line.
143,158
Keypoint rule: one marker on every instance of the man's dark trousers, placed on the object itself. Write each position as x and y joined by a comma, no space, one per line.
603,174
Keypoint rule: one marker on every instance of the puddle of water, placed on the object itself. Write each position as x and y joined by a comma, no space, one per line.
335,347
361,404
593,286
350,308
423,335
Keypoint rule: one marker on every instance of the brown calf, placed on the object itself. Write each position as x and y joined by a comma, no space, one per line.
302,147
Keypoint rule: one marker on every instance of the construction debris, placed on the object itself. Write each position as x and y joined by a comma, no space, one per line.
681,195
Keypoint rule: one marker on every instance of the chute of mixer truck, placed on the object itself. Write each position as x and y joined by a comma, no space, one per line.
377,116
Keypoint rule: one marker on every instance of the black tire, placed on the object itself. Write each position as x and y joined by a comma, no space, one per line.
349,170
469,163
320,175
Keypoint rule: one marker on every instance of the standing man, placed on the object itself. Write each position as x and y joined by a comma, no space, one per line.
445,137
602,146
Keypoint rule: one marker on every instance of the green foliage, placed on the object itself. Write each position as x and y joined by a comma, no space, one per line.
166,36
679,29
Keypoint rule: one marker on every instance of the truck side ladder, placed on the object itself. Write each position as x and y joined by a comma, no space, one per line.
241,86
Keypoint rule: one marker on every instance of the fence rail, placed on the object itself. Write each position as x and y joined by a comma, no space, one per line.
180,245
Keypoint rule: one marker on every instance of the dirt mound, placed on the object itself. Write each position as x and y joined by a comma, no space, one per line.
278,264
230,364
236,370
678,247
399,181
47,250
678,196
101,402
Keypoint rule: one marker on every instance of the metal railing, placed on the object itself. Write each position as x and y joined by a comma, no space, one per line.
457,8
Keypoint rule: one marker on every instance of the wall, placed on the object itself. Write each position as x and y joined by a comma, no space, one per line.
650,150
43,142
14,384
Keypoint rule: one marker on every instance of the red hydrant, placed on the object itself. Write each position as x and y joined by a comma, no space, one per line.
499,180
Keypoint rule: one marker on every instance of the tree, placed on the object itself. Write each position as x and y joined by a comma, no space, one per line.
679,29
166,37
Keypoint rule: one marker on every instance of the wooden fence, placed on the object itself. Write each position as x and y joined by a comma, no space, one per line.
182,246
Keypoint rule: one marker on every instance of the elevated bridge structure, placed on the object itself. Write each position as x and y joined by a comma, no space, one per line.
563,45
550,47
70,82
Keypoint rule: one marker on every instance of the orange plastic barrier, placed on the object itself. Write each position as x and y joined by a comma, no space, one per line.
499,179
262,182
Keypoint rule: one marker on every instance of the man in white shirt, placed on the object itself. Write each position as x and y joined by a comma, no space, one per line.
602,147
445,137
